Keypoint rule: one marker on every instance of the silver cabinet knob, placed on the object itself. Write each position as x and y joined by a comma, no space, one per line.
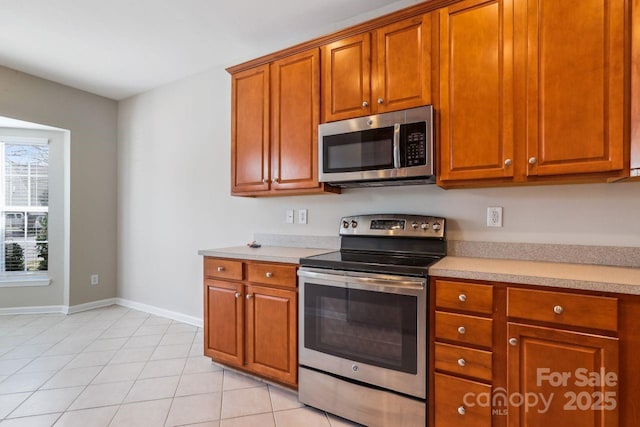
558,309
238,294
269,274
462,297
462,330
462,362
220,269
508,162
461,410
274,180
513,341
380,100
249,296
265,180
365,104
533,160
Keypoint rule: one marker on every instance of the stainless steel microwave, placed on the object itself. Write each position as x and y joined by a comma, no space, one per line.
393,148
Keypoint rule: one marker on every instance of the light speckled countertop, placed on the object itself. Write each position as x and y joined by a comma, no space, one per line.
561,275
264,253
542,273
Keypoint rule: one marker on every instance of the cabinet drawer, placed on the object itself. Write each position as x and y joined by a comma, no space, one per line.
464,296
464,329
463,361
563,308
223,268
272,274
450,407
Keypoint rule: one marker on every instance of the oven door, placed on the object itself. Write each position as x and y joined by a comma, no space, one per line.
369,328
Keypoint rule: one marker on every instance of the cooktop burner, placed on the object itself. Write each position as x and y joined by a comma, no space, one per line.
386,243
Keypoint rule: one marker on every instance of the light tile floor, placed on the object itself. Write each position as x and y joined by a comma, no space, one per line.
119,367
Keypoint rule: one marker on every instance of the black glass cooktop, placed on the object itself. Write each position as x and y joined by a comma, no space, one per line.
373,262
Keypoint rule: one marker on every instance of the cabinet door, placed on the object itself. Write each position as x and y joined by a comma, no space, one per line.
250,130
346,75
575,81
576,372
271,333
635,86
403,75
295,113
476,90
224,322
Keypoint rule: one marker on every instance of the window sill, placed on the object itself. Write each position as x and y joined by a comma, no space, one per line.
26,280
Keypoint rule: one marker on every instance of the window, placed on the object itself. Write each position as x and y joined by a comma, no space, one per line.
24,205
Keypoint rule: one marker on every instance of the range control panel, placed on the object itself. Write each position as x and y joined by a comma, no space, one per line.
400,225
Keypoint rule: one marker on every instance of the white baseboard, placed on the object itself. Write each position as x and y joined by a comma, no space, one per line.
43,309
174,315
89,305
180,317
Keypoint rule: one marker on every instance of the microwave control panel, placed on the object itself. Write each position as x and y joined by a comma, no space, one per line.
414,137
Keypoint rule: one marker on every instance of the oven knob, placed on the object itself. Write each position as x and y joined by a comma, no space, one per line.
345,224
424,226
414,225
354,368
436,226
354,224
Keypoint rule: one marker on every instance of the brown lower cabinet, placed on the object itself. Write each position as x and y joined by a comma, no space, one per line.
507,355
249,325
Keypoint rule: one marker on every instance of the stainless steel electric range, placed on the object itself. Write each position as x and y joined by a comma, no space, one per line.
363,320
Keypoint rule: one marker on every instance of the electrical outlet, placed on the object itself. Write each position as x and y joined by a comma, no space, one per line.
302,216
95,279
494,216
289,217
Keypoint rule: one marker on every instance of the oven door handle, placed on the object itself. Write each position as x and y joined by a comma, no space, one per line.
342,280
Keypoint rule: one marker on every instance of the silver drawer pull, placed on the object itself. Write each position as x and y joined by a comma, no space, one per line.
220,269
462,362
462,297
462,330
558,309
269,274
461,410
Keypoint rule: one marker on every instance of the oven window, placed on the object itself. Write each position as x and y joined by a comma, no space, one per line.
376,328
358,151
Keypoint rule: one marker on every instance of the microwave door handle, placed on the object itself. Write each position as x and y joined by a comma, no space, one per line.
396,145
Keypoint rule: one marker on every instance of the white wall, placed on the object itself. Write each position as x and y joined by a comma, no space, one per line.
173,199
92,121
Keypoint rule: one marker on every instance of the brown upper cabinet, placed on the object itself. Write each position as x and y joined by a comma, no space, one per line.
383,70
250,130
575,86
476,90
635,88
526,92
275,115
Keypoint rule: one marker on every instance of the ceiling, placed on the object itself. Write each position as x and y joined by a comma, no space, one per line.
119,48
